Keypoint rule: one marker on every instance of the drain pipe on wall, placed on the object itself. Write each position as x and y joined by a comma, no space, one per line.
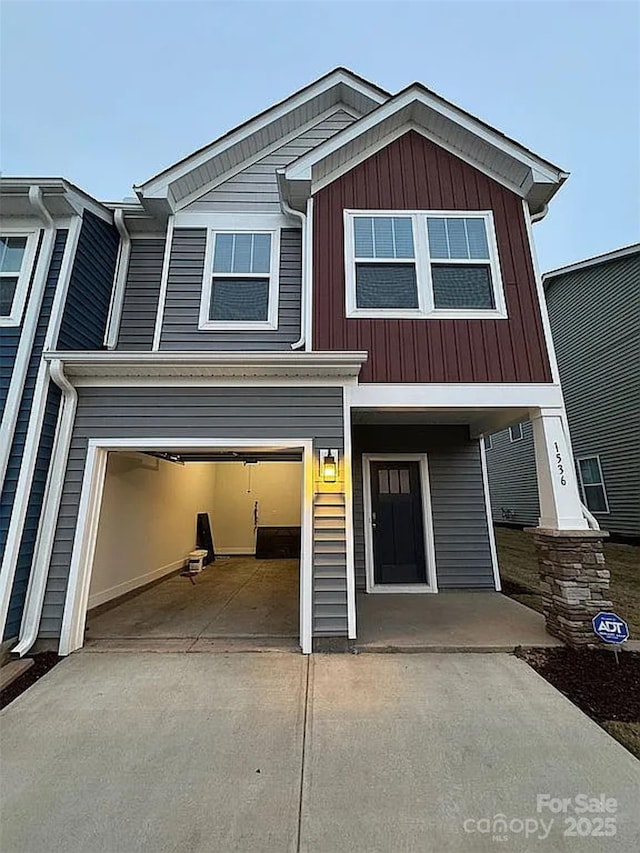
117,294
51,505
298,214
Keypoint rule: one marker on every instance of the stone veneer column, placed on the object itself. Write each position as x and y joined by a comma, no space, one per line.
574,581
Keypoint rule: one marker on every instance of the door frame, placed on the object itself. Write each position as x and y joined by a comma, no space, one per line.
427,523
86,532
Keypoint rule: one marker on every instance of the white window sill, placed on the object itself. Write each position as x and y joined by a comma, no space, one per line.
444,314
220,326
10,320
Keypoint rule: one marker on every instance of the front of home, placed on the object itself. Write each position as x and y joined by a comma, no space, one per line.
314,321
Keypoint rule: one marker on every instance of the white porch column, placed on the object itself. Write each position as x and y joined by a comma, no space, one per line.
560,505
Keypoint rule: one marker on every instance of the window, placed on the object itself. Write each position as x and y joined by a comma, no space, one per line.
240,289
422,264
515,432
16,259
592,484
487,442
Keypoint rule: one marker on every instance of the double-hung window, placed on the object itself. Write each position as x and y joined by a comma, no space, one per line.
592,484
240,288
16,259
436,264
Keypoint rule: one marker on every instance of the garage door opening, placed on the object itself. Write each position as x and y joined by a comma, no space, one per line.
147,525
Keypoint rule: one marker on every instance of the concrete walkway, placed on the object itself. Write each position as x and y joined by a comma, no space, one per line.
449,621
178,753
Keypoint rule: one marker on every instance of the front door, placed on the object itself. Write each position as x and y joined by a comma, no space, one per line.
398,527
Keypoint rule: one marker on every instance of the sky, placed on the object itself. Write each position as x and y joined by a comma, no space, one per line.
107,94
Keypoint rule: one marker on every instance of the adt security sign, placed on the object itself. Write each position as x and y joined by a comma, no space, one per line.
610,628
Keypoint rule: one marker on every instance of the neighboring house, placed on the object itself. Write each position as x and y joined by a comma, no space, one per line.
594,311
346,280
58,252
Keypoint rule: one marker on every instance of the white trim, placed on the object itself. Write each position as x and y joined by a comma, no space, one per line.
308,318
155,184
623,252
596,456
513,440
133,583
487,505
119,281
202,190
488,441
431,586
347,464
542,302
456,395
34,429
301,169
271,322
329,381
84,543
14,317
422,263
232,221
50,508
164,283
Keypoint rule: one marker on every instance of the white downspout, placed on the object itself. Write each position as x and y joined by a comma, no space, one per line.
51,505
298,214
120,278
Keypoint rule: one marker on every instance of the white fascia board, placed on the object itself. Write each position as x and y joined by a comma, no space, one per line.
477,395
301,169
623,252
158,185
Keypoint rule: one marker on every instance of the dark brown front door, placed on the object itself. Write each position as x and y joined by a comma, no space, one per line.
398,530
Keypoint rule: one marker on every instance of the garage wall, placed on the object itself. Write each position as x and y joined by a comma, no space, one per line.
147,521
275,485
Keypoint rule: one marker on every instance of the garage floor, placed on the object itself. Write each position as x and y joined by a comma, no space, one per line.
234,597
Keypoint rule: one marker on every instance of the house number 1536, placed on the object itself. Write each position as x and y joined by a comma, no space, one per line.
559,464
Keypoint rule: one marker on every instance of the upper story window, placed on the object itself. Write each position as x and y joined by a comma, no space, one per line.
440,264
592,484
240,288
16,259
515,433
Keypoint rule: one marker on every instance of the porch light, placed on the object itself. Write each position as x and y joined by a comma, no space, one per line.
329,466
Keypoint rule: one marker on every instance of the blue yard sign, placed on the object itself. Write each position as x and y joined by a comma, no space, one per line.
610,628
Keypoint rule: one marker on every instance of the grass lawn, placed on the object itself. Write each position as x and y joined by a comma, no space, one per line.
519,573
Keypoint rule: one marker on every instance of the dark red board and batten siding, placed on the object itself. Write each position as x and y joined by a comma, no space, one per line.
413,173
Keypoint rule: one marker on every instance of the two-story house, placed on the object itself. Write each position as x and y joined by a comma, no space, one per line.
58,249
346,282
594,311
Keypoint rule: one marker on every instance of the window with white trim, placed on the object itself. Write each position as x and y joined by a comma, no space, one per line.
16,260
592,484
240,288
515,433
422,264
487,442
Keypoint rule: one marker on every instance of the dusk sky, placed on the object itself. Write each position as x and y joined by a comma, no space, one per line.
108,93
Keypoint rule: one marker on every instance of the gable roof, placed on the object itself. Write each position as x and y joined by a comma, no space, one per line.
165,191
461,133
595,260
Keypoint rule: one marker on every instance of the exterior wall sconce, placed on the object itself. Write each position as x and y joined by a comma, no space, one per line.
329,465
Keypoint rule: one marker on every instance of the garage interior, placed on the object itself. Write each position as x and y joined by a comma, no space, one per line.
139,587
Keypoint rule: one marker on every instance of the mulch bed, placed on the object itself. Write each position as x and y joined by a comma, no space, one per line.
42,663
592,680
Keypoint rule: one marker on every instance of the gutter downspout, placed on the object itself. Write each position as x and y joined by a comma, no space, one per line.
298,214
120,278
51,505
29,323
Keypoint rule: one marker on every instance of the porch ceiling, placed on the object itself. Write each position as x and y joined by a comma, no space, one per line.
479,421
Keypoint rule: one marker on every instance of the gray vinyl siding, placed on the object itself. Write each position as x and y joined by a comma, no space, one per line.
238,413
10,339
513,485
595,322
460,527
254,188
184,290
142,290
87,305
24,412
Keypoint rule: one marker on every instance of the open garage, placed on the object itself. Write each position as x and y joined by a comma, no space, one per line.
156,509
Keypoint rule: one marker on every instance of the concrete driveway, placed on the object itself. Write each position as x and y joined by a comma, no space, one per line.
119,753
